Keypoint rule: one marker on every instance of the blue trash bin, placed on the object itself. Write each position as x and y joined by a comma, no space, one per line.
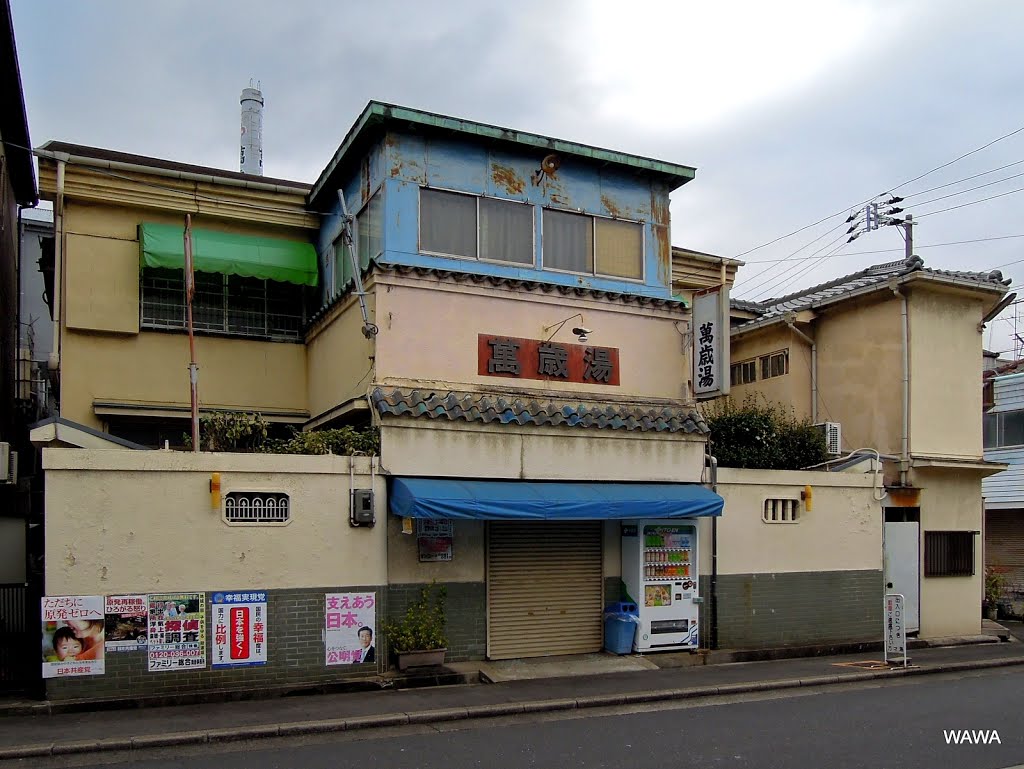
620,623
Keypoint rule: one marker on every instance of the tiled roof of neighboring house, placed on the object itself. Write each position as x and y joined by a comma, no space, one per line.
876,275
494,280
113,156
481,407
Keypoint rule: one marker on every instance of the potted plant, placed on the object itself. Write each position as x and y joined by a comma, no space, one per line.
994,584
418,639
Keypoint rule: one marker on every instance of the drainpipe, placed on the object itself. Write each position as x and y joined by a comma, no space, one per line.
713,636
791,322
905,427
53,364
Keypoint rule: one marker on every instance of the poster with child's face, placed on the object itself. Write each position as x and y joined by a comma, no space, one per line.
72,636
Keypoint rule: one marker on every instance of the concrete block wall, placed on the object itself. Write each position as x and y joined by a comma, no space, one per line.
466,608
793,609
295,656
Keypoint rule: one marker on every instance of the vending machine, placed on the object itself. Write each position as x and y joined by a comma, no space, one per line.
659,567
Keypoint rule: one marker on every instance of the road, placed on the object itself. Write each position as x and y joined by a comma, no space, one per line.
898,723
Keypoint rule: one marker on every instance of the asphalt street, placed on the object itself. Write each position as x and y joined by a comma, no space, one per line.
900,723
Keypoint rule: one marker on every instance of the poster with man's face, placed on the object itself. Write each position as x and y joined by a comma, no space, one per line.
350,634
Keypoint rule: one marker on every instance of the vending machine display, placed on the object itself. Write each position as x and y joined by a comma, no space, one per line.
659,567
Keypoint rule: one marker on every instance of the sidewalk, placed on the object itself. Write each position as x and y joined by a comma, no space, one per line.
23,736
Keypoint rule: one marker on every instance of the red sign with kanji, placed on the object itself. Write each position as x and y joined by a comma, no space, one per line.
517,358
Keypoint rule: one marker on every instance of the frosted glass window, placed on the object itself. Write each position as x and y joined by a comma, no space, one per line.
619,248
568,242
506,231
447,223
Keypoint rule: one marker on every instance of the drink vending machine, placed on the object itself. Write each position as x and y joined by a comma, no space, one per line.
659,567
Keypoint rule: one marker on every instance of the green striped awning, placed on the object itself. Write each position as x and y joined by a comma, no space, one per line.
288,261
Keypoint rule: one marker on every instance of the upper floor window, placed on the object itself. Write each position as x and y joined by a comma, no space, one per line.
472,227
774,364
1003,428
743,372
593,245
228,304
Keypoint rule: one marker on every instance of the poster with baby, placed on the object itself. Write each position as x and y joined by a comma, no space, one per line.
72,635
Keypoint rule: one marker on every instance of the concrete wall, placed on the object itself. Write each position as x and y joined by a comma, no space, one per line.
429,330
105,357
413,447
141,521
792,389
951,501
339,359
945,347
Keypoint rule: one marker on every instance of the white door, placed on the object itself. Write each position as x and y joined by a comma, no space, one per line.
903,566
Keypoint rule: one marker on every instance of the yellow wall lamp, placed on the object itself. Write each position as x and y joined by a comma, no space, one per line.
215,491
807,495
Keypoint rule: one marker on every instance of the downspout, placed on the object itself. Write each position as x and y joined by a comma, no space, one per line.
53,364
790,321
713,636
905,427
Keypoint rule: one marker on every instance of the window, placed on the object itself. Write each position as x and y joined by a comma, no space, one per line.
775,364
256,507
593,245
1003,428
743,373
455,224
367,240
228,304
948,553
781,511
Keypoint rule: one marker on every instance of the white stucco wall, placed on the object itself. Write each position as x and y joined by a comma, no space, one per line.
141,521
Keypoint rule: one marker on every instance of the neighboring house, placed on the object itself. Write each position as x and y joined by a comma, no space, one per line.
890,354
35,331
1004,492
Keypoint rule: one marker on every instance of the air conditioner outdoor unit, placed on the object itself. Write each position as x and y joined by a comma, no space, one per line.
8,464
833,437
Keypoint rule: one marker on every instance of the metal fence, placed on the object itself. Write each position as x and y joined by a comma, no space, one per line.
17,632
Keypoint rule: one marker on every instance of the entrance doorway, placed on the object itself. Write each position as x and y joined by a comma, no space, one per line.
902,555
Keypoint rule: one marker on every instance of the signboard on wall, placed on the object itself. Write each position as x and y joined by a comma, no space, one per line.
434,539
177,631
518,358
710,349
239,627
350,629
72,635
126,622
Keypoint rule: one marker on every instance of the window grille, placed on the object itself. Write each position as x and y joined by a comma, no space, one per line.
948,553
256,507
781,511
228,304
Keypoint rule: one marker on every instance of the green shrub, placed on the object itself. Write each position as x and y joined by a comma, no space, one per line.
241,432
422,626
762,436
230,431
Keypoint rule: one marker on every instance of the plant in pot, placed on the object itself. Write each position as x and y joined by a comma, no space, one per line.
418,638
994,584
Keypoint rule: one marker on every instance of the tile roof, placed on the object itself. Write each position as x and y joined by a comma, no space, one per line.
495,280
877,274
483,407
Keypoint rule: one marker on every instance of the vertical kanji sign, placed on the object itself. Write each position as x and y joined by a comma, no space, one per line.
239,626
710,350
347,618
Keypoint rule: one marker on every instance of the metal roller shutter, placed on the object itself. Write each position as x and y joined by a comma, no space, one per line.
544,588
1004,542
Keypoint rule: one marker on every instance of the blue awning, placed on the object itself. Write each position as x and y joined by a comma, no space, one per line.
549,500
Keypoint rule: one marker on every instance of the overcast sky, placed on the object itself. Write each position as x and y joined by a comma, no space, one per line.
792,111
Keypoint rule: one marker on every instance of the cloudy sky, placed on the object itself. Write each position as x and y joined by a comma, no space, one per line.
793,111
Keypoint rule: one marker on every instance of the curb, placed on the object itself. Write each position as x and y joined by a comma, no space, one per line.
384,720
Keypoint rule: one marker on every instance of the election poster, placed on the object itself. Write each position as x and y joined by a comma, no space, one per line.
72,635
350,628
177,631
239,629
126,623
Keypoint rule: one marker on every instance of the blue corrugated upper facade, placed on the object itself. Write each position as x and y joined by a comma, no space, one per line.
443,193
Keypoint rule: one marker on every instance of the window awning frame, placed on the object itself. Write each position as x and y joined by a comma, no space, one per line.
228,253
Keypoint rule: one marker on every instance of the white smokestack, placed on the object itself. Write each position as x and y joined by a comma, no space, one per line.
251,155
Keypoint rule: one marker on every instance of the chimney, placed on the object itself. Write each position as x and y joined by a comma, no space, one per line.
251,154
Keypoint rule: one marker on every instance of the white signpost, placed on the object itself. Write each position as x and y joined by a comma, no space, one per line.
710,349
895,630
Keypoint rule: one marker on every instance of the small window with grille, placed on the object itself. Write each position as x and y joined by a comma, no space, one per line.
256,507
781,511
948,553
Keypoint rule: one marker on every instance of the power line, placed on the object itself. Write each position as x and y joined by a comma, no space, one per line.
808,268
960,181
892,250
972,203
957,160
780,280
969,189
